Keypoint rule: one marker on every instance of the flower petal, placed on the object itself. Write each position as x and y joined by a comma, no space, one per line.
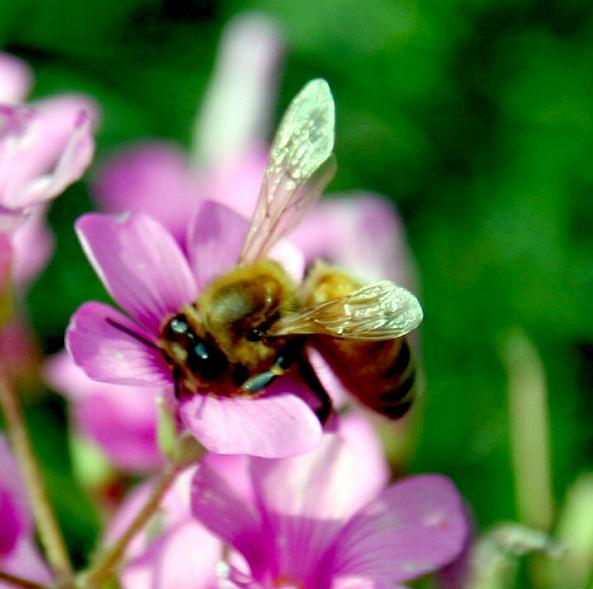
11,526
140,264
237,182
378,248
271,426
33,243
308,498
44,149
15,79
216,504
188,558
71,164
215,240
108,354
412,528
13,498
246,67
25,561
137,180
121,419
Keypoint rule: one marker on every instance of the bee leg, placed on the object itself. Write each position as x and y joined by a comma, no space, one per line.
177,383
286,358
256,384
311,379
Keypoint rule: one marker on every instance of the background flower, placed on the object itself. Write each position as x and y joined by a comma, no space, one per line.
313,524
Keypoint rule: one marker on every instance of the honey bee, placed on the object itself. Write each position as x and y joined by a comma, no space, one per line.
254,323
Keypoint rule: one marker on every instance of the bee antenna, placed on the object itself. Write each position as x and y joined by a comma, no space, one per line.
131,333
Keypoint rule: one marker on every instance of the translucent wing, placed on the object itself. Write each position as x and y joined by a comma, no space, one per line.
294,178
379,311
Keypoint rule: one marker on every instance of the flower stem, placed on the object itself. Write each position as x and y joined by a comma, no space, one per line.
104,567
49,532
19,582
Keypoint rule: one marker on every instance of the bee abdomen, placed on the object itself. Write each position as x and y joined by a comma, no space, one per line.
380,374
396,402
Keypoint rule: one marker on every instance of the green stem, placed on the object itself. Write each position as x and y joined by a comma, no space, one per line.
19,582
104,568
49,532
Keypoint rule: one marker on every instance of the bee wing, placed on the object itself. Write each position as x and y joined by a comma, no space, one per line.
294,178
379,311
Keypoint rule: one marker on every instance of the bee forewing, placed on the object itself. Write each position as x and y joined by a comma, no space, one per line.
379,311
303,143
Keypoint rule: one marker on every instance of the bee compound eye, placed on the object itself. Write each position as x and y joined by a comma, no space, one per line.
179,324
206,360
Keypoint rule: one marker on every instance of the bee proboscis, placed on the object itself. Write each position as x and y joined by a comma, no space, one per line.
254,323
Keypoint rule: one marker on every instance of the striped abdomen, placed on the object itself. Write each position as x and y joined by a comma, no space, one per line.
380,374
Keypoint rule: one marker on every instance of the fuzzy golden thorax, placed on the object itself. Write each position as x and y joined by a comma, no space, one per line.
238,307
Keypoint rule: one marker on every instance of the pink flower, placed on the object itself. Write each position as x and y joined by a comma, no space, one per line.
324,520
43,149
121,420
18,554
15,79
146,273
44,146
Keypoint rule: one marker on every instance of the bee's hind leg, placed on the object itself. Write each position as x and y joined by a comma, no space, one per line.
311,379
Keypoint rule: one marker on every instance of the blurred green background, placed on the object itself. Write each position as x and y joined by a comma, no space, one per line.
474,116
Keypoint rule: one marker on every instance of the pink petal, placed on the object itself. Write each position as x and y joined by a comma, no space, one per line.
246,67
11,526
13,496
73,161
290,258
11,219
236,522
361,232
33,243
121,419
214,241
155,179
412,528
25,561
140,264
237,182
108,354
188,558
15,79
44,149
307,498
271,426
